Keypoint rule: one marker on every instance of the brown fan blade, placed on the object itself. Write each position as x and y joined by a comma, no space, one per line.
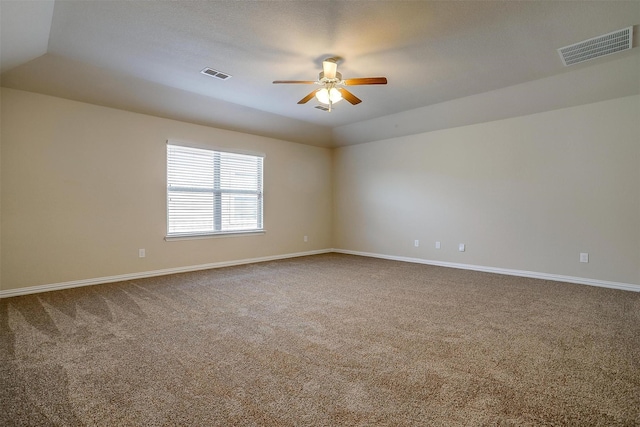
366,81
304,82
307,98
349,96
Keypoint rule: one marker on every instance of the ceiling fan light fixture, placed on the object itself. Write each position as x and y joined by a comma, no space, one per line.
331,85
328,96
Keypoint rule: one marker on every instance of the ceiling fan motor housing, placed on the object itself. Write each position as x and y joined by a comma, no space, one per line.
323,79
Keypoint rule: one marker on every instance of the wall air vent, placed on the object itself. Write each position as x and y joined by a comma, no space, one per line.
215,73
596,47
321,107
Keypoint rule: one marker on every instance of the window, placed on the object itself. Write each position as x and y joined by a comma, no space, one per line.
212,192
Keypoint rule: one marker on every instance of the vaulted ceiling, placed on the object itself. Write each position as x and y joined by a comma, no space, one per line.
146,56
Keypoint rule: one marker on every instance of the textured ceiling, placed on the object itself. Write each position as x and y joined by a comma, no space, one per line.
146,56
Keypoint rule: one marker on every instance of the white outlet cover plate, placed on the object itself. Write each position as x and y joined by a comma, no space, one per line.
461,247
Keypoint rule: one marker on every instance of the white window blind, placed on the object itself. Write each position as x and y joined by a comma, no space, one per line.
212,192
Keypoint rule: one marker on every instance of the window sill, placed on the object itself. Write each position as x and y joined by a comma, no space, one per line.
214,235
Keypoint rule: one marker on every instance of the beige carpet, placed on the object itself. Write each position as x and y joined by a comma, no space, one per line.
327,340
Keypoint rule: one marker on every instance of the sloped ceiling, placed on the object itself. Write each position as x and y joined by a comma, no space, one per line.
439,58
24,31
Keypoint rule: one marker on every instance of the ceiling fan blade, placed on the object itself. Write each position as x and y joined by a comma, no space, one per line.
307,98
304,82
366,81
349,96
329,68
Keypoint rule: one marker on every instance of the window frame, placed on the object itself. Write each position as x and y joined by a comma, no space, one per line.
217,194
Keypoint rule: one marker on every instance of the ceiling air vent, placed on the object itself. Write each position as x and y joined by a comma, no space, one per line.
321,107
596,47
215,73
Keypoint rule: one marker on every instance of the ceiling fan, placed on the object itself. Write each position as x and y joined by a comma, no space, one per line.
331,83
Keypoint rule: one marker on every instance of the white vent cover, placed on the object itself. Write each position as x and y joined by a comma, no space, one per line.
321,107
596,47
215,73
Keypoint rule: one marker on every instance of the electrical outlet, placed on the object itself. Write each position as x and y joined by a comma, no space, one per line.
306,239
437,245
142,253
416,243
461,247
584,257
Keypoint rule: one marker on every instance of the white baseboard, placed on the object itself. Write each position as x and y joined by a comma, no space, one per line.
506,271
123,277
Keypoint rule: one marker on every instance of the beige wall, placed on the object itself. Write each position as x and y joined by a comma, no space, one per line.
526,193
84,187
